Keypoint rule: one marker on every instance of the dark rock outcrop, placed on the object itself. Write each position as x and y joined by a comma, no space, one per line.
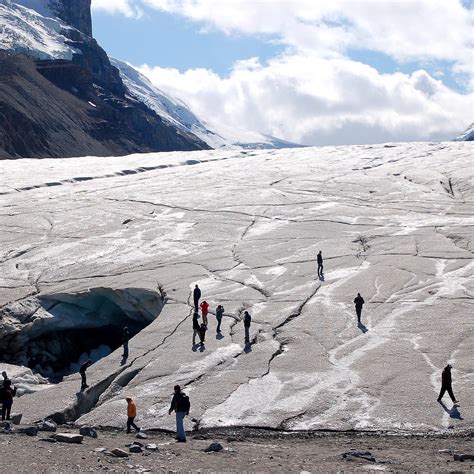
76,13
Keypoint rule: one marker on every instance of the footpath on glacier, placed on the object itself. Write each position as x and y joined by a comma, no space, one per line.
86,241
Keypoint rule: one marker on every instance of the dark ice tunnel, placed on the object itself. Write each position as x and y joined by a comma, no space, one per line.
55,330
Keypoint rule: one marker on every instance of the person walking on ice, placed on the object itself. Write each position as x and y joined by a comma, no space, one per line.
196,296
131,414
219,313
181,405
196,326
7,394
247,323
82,371
202,333
204,310
359,302
320,264
125,339
446,384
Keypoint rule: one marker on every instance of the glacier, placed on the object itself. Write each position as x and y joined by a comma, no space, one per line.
394,222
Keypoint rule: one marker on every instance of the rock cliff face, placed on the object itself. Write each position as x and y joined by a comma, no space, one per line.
76,13
63,108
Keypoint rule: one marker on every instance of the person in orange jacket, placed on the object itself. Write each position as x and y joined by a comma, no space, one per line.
204,310
131,413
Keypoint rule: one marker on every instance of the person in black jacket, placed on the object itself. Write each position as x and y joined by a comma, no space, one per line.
8,392
320,264
359,302
196,326
181,405
196,296
82,371
446,384
247,323
125,339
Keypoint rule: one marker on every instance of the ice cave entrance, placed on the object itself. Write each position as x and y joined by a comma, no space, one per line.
66,329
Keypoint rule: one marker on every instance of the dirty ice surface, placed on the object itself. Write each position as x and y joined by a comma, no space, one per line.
394,222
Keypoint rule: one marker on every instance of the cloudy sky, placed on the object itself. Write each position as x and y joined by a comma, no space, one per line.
315,72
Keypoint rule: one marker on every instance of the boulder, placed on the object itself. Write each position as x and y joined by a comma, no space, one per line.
464,457
366,455
29,430
151,447
134,448
16,418
6,426
88,431
47,425
141,435
69,438
120,453
214,448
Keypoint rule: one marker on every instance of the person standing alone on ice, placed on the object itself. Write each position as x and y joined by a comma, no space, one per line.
131,414
125,339
82,371
359,302
7,393
196,296
320,264
446,382
181,405
204,310
247,323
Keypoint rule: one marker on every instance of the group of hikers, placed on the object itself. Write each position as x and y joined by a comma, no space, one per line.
180,403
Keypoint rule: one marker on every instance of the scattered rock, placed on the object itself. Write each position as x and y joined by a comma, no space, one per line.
88,431
68,438
214,448
141,435
366,455
201,437
100,450
29,430
47,425
6,426
137,443
134,448
16,418
120,453
126,221
48,440
151,447
464,457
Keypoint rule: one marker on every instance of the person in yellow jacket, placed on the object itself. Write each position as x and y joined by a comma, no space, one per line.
131,413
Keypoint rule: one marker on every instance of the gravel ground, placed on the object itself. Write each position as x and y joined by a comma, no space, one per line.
251,451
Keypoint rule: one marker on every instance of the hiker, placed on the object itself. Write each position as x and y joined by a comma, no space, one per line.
125,339
204,310
320,264
196,327
82,371
7,393
219,313
131,414
359,302
196,296
181,405
5,378
446,384
247,322
202,333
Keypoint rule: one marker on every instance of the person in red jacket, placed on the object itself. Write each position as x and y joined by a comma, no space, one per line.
446,384
131,414
204,310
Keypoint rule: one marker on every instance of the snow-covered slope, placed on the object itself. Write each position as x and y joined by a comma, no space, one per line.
179,114
32,29
467,135
393,222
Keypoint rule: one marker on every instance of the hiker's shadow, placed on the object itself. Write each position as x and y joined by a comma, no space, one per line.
321,277
248,347
453,412
124,360
362,327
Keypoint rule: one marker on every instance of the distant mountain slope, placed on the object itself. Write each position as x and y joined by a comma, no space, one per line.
467,135
59,94
177,113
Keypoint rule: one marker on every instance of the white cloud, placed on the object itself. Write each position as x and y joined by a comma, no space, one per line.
312,100
315,93
124,7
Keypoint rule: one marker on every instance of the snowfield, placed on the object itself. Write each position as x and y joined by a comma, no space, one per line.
394,222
